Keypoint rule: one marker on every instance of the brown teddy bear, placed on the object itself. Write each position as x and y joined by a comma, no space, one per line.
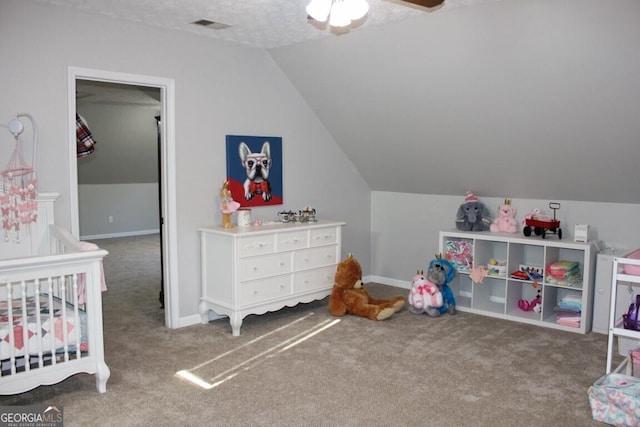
349,297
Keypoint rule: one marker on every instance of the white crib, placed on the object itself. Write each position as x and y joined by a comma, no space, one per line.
50,307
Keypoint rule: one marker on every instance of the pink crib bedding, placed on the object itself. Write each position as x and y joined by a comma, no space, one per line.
50,332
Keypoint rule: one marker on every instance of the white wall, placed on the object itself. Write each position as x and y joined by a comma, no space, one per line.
114,210
405,227
220,89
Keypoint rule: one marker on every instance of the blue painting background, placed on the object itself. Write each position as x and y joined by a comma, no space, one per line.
236,173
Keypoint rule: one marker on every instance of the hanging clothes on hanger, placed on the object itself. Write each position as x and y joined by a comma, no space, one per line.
85,143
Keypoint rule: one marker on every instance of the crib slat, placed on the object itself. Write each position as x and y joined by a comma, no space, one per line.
38,322
25,323
12,337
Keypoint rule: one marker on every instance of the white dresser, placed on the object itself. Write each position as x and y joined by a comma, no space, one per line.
255,269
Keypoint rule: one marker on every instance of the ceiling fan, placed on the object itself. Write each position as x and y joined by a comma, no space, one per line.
425,3
340,13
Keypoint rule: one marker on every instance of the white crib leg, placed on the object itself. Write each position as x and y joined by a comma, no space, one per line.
102,376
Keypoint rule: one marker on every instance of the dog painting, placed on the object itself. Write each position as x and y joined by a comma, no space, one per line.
257,166
254,169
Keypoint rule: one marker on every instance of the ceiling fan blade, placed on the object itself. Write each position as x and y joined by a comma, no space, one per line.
425,3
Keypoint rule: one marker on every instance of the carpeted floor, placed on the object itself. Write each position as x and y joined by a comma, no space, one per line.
302,367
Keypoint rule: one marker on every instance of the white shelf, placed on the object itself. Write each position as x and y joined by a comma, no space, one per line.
498,296
616,329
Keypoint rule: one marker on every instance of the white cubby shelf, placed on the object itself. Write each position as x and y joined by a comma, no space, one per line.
498,295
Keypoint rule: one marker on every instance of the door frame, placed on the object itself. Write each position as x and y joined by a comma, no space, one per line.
167,171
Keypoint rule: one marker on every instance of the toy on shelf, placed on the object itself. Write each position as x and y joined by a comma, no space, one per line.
534,305
227,205
460,254
542,224
472,214
506,220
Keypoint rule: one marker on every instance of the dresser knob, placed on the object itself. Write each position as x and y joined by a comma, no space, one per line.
255,268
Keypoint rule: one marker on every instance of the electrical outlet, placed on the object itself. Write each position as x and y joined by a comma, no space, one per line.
110,219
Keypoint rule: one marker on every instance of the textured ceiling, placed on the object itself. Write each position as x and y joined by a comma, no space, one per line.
258,23
95,92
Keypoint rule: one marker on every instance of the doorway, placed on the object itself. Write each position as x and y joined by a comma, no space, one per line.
166,163
119,180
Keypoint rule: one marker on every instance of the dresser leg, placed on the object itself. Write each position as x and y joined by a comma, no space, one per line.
203,310
236,321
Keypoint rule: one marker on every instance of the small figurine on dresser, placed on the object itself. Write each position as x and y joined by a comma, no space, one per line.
227,205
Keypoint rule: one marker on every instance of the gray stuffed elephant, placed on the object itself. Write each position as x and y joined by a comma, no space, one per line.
473,215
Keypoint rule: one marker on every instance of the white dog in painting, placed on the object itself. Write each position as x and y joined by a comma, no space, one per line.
257,166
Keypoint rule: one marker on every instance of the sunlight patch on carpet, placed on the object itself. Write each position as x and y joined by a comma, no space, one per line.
222,368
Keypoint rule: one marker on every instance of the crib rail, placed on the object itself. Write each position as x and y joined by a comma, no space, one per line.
59,293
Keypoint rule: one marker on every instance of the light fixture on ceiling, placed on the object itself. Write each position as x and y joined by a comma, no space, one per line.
339,12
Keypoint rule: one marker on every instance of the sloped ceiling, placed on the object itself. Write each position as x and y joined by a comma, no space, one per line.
521,98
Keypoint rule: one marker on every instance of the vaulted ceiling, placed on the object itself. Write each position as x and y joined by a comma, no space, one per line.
514,98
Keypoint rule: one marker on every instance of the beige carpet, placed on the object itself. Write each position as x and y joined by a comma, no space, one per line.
298,367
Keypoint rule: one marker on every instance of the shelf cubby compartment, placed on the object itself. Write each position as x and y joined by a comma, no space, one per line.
490,296
553,295
485,251
563,254
459,251
462,288
529,255
522,290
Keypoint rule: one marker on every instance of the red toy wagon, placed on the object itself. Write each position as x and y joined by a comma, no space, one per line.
541,224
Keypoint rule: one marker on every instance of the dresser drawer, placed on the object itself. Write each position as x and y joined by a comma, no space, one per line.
265,289
315,257
318,278
257,245
265,266
324,236
292,240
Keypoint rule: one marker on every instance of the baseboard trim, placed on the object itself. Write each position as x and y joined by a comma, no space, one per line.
388,281
123,234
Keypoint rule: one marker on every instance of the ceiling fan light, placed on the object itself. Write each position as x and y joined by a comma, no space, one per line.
339,16
357,8
319,9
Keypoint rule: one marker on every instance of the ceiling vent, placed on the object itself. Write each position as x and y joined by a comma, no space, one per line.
210,24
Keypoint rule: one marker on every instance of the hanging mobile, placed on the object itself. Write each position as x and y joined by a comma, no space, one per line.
18,204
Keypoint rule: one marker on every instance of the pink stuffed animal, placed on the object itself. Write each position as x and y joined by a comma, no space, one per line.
423,294
506,220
